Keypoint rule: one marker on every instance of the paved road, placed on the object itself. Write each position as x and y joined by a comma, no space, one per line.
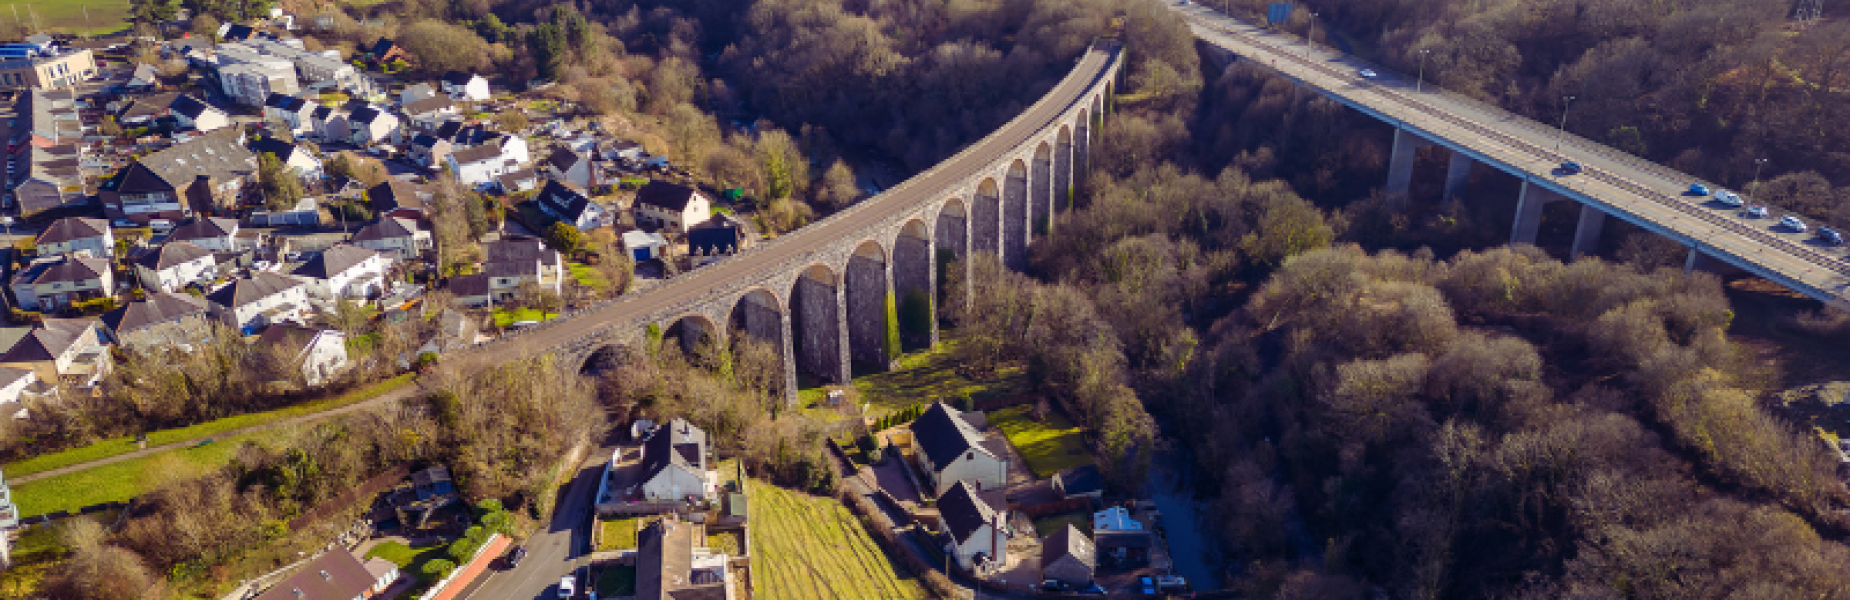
1622,183
561,548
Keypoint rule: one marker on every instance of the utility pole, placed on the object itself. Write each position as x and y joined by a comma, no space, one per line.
1755,185
1566,103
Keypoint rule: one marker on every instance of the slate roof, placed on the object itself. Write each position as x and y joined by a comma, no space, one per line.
665,195
219,154
294,338
675,443
713,239
511,182
476,153
520,248
145,72
333,261
464,286
203,228
1082,479
245,290
170,254
1069,542
72,228
158,308
365,114
575,204
395,194
943,435
8,375
189,106
384,45
384,229
963,511
237,32
428,105
283,150
335,575
563,159
148,106
49,340
419,89
69,269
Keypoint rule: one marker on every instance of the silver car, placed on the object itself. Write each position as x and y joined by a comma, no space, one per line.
1728,199
1792,222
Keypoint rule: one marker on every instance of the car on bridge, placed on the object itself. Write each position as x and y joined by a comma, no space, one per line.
1830,237
1697,189
1793,222
1368,73
1728,199
1755,211
1571,168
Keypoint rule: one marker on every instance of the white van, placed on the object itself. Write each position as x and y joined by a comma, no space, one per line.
565,586
160,225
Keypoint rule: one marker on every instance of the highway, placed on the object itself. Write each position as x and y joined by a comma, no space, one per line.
1619,184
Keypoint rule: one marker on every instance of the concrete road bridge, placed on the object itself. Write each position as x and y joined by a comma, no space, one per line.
1612,184
821,295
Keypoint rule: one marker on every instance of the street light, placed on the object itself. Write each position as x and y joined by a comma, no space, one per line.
1310,39
1751,187
1566,103
1420,84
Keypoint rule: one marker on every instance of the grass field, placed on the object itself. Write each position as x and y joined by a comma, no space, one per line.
921,377
91,17
126,444
410,559
123,480
587,275
810,548
1049,446
505,317
618,534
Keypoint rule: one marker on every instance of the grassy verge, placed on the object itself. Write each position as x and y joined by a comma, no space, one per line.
1049,446
410,559
619,534
587,275
921,377
811,548
505,317
126,444
120,481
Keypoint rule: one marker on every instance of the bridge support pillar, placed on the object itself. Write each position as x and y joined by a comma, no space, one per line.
1689,264
1529,212
1400,166
1586,233
772,326
870,297
915,277
1457,174
822,307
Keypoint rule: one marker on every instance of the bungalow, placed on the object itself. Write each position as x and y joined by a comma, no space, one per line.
56,282
211,233
172,266
67,351
671,566
465,86
432,110
294,113
203,173
484,162
951,450
264,298
977,535
336,575
71,234
716,239
191,113
570,204
674,463
571,167
162,321
392,236
293,156
370,125
345,271
315,353
399,199
518,181
669,206
1068,556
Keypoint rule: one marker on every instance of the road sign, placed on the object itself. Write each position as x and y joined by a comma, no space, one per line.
1277,13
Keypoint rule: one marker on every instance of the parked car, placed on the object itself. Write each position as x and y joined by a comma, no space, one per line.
1055,585
1830,236
123,223
1093,590
1793,222
160,225
1727,198
1697,189
1756,211
566,585
514,556
1147,586
1368,73
1570,168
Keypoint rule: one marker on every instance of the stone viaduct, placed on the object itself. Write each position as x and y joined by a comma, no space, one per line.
822,295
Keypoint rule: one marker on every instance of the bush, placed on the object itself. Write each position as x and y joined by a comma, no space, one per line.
439,568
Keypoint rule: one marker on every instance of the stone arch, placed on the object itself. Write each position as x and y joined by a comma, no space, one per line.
604,359
951,238
914,279
819,340
986,218
759,315
1015,215
873,318
1040,188
1082,144
701,340
1063,168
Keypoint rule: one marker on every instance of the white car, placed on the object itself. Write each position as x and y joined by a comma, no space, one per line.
1792,222
565,586
1728,199
1368,73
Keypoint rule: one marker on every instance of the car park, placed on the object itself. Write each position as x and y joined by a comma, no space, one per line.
1792,222
1728,198
1368,73
1830,236
1697,189
1755,211
1570,168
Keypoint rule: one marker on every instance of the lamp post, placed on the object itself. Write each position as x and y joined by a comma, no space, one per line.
1751,187
1310,39
1566,103
1419,85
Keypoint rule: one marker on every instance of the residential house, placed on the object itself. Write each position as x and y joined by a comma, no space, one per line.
429,151
569,203
345,271
145,110
472,290
484,162
395,237
48,71
47,118
70,352
293,156
1120,537
172,266
328,123
518,181
642,245
371,125
977,535
399,199
674,463
211,233
622,151
235,32
671,566
1068,556
71,234
194,114
385,51
714,240
144,79
465,86
416,92
294,113
951,450
164,320
571,167
317,354
1081,481
54,283
335,575
433,111
669,206
200,174
517,260
264,298
248,83
305,213
16,386
52,178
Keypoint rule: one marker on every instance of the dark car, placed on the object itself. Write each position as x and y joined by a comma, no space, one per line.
1830,236
514,556
1055,585
1092,590
1570,168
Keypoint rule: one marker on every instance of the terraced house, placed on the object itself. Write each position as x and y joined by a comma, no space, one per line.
174,265
57,282
69,352
161,321
71,234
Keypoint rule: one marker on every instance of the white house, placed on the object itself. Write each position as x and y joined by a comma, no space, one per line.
62,351
293,156
669,206
514,261
674,463
399,238
484,162
317,353
211,233
249,83
262,299
465,86
71,234
951,450
345,271
370,125
416,92
294,113
174,265
191,113
570,204
56,282
977,533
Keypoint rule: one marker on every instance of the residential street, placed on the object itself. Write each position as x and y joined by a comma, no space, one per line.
560,548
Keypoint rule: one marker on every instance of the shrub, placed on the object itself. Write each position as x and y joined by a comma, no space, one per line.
439,568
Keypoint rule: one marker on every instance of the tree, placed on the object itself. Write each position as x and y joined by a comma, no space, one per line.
205,26
512,121
439,568
153,11
837,190
565,238
547,44
442,47
281,187
786,171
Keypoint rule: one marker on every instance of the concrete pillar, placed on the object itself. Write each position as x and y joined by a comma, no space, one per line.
1062,173
869,288
786,346
1689,264
1457,174
822,311
914,271
1586,233
1015,216
986,222
1040,195
952,233
1400,166
1529,212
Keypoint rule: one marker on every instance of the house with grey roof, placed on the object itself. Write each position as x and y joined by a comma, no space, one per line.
54,283
163,320
429,151
293,156
674,463
465,86
671,565
144,78
371,125
71,234
145,110
515,261
951,450
70,352
192,113
200,174
570,204
399,198
483,162
172,266
261,300
293,112
395,237
416,92
572,167
211,233
345,271
976,533
1069,556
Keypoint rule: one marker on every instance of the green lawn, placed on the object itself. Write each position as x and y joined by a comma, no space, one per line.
410,559
1045,526
811,548
505,317
125,445
619,534
724,542
123,480
616,581
587,275
101,16
1049,446
922,377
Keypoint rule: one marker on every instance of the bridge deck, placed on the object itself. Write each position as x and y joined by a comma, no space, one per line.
1621,185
